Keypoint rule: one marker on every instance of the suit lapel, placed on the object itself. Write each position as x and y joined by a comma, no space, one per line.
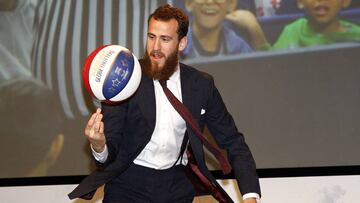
188,89
146,100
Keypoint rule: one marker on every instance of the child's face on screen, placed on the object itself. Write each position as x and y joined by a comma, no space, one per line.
323,12
209,14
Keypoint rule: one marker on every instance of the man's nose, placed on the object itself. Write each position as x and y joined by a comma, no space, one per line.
157,45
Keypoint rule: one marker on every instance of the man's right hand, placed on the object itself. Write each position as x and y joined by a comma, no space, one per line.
94,131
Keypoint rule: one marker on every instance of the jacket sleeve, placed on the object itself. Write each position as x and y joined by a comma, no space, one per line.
114,119
222,127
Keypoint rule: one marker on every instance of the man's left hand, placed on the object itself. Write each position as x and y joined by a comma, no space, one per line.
249,200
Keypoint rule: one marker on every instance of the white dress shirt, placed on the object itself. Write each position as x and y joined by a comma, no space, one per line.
164,147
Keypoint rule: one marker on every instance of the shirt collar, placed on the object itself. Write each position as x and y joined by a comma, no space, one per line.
175,77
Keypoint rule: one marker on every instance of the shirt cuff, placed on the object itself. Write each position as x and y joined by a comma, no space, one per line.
102,156
252,195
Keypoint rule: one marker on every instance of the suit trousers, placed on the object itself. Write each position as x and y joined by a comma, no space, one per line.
139,184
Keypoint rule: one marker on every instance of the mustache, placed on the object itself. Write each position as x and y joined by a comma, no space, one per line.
157,53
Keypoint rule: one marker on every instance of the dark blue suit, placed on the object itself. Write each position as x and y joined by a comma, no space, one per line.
129,126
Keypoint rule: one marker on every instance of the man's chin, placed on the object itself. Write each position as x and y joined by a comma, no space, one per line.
157,62
156,67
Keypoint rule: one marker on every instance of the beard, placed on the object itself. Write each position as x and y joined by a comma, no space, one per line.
156,72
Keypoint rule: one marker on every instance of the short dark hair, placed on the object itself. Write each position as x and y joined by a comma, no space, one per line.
167,12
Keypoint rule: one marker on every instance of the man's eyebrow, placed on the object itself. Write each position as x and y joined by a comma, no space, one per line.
166,36
161,36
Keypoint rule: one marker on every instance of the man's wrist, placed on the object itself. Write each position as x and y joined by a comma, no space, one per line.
250,197
97,148
102,156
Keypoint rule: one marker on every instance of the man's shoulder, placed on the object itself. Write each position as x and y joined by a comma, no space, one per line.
195,73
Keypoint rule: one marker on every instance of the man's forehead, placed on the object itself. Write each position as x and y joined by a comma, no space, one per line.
169,24
159,27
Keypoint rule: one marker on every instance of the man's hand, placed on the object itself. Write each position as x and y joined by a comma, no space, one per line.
94,131
249,200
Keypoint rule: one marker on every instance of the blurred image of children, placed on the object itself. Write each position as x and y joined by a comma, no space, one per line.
209,35
321,26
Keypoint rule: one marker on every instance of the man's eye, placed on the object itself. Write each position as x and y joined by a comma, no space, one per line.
166,39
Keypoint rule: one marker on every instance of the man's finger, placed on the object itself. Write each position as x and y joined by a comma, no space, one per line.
99,117
97,126
101,129
91,120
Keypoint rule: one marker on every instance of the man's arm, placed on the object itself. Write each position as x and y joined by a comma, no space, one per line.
222,126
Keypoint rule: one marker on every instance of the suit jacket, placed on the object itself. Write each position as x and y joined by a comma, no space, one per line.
129,126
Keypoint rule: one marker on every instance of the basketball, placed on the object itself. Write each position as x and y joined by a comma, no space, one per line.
111,73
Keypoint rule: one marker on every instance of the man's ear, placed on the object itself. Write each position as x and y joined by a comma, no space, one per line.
232,5
182,43
300,4
345,3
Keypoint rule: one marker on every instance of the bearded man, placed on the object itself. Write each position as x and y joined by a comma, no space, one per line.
139,144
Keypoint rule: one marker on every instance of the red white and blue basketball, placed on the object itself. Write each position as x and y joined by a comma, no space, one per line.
111,73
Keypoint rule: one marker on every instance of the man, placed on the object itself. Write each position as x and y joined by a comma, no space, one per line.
138,144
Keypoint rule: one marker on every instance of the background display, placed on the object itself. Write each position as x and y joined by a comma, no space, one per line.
297,107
